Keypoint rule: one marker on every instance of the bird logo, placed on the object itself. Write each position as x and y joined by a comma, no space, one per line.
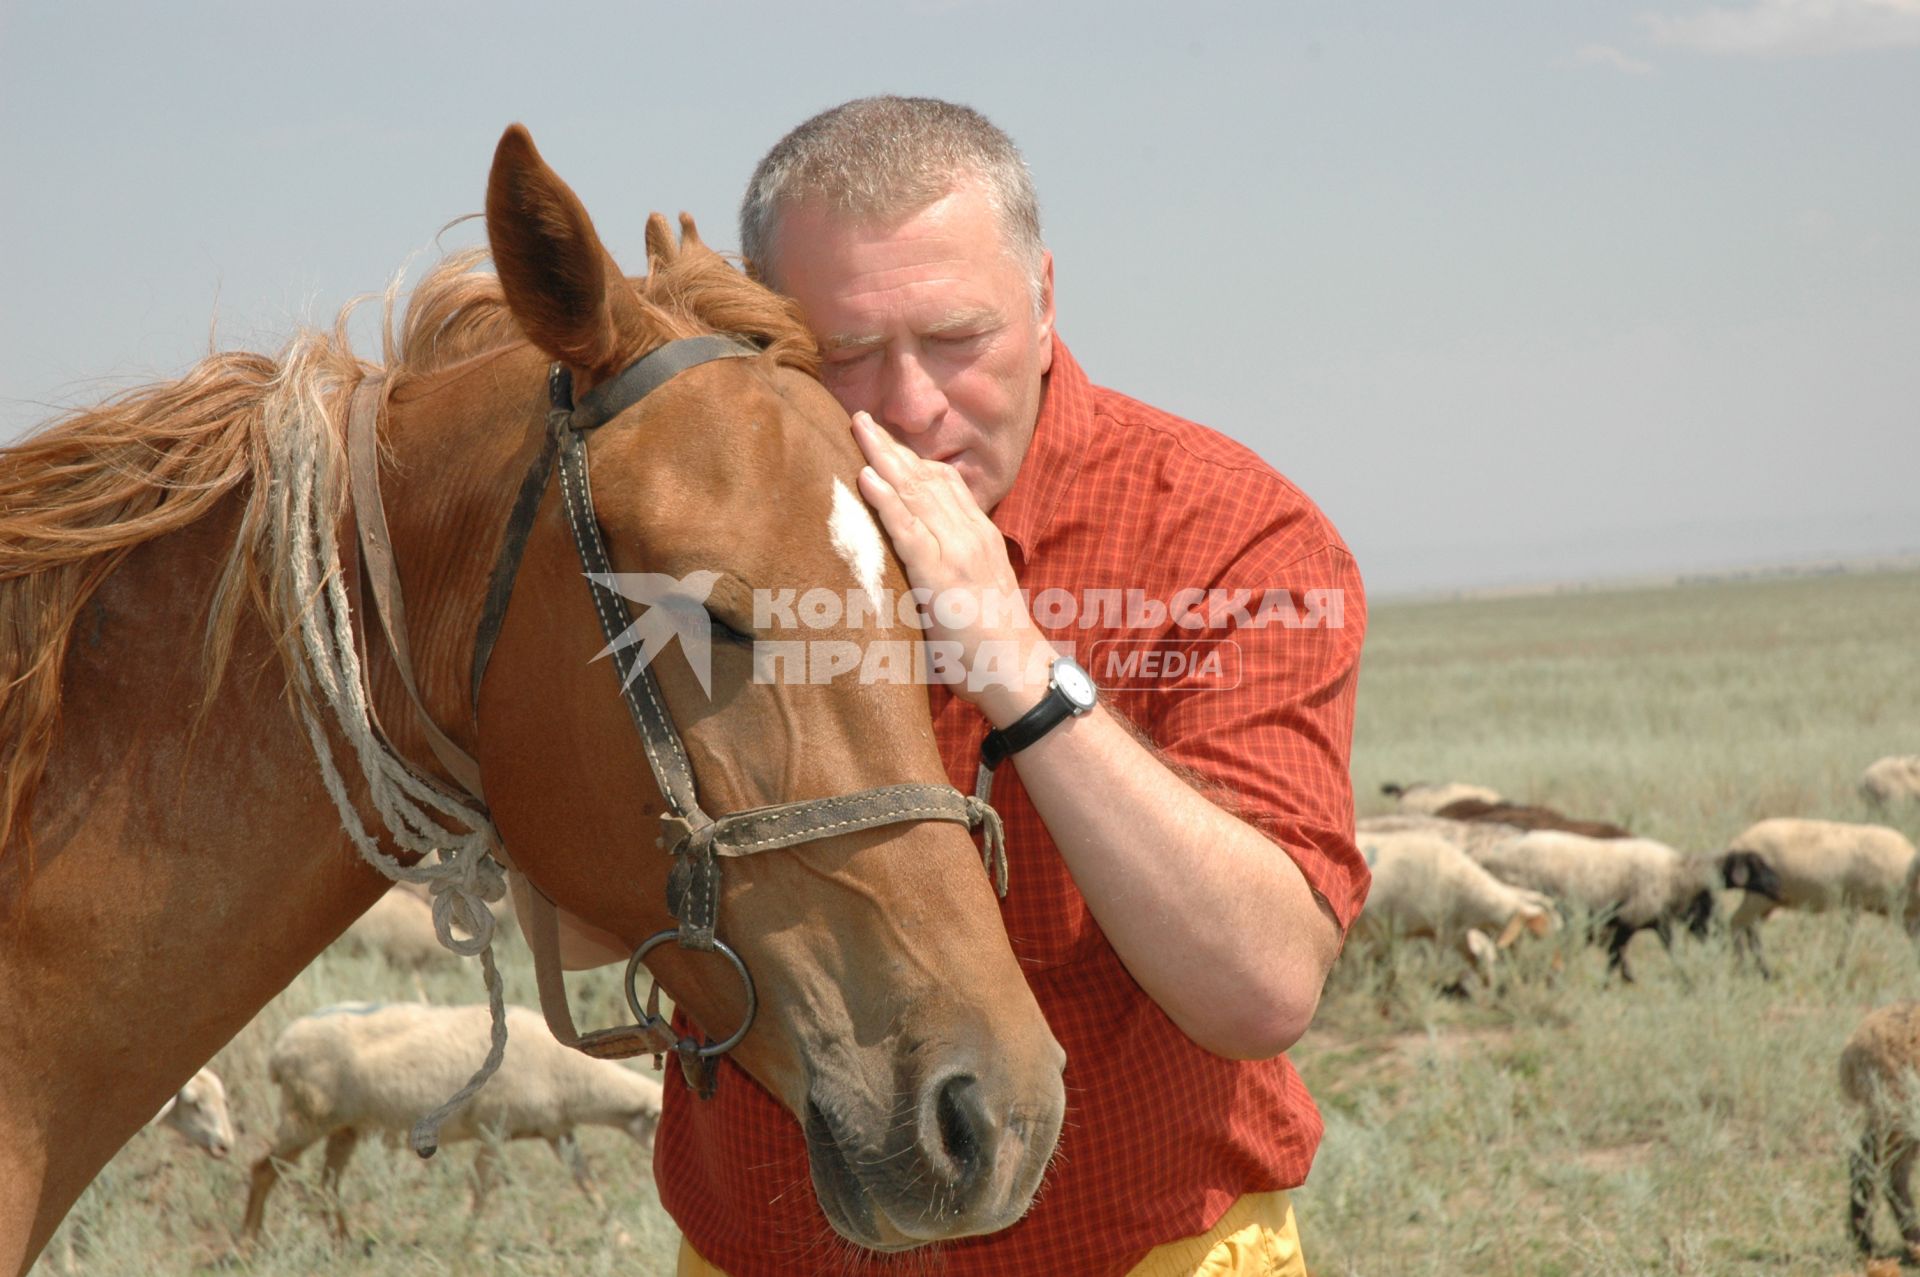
675,605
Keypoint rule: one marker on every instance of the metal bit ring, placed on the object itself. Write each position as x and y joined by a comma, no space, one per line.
648,1012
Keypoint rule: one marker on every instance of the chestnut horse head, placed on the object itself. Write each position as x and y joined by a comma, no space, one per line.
893,1021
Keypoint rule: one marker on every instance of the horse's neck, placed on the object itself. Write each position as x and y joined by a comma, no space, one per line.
453,468
185,870
188,862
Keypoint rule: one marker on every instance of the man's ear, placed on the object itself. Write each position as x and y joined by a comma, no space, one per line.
1046,312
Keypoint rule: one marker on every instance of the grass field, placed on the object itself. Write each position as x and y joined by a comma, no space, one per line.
1689,1124
1570,1125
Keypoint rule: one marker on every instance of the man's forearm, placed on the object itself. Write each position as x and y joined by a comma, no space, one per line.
1216,922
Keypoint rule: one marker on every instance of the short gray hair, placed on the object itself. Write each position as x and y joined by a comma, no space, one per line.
885,158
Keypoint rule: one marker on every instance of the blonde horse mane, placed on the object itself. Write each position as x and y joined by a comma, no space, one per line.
81,494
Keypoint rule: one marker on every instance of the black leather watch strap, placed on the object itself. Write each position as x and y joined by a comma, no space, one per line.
1058,705
1004,742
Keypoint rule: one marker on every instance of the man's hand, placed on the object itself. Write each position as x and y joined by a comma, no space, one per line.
1216,923
954,553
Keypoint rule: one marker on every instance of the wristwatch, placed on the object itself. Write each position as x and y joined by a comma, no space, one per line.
1070,693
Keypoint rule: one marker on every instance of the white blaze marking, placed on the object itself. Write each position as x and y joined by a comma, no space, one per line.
856,538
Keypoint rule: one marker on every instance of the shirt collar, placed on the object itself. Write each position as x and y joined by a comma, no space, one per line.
1062,433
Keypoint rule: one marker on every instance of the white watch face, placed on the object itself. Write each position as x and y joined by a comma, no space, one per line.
1074,684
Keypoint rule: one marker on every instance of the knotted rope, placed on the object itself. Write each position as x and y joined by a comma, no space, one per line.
454,839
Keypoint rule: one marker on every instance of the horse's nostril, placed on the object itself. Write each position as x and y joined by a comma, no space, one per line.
965,1126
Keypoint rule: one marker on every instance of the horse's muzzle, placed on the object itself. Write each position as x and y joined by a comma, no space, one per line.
955,1156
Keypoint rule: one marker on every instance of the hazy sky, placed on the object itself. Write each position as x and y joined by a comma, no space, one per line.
1517,291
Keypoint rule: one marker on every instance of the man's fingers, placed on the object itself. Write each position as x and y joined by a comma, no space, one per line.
898,464
876,443
911,539
933,490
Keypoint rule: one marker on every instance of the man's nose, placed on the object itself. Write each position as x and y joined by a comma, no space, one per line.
911,401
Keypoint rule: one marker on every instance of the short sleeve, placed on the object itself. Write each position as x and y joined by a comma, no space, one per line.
1269,730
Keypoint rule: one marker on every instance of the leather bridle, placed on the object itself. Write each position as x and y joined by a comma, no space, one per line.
696,840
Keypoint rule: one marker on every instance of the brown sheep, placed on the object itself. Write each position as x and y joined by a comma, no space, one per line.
1877,1071
1529,817
1424,798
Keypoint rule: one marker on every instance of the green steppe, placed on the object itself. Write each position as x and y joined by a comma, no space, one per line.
1689,1124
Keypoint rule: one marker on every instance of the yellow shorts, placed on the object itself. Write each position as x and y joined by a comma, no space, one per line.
1255,1238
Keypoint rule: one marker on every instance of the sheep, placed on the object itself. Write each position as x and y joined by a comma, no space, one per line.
359,1067
198,1111
1403,822
1524,816
1633,884
1424,885
1893,779
399,928
1426,797
1467,835
1821,865
1877,1072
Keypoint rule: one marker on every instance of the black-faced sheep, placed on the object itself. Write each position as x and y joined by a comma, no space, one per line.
363,1067
1819,865
1629,884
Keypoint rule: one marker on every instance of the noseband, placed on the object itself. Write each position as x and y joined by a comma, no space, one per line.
695,840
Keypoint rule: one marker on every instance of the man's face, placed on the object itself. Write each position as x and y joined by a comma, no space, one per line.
929,325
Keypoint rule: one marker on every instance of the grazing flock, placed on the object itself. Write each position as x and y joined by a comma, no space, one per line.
1457,864
1460,865
1467,868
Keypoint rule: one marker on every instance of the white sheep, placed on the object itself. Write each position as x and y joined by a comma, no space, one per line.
198,1111
1627,884
362,1067
1826,864
1893,779
1469,835
1424,798
1877,1073
1425,885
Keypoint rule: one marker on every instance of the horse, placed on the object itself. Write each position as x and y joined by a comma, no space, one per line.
171,856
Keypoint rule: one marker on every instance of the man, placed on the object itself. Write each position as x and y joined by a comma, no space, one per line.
1176,901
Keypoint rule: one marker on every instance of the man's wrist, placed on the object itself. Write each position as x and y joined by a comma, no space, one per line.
1005,696
1070,694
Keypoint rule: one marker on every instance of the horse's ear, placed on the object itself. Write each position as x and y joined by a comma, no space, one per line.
660,245
560,282
690,240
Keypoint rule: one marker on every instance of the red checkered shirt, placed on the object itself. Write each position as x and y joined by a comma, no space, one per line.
1161,1136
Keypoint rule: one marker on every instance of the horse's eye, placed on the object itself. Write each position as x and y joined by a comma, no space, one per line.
726,633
